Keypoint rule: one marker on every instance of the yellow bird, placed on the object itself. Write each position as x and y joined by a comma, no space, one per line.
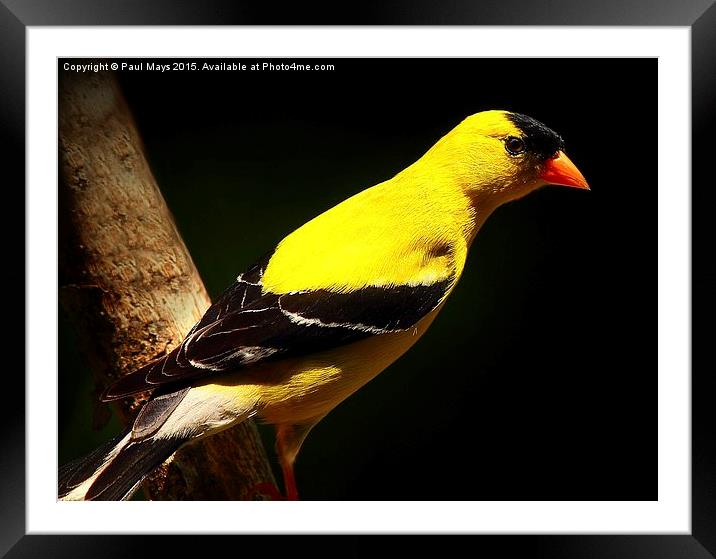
336,302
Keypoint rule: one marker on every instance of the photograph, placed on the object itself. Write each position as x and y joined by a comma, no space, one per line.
357,279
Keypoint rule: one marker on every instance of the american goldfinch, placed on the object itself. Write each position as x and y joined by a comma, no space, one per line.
334,304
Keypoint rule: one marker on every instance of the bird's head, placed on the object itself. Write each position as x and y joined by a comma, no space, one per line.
498,156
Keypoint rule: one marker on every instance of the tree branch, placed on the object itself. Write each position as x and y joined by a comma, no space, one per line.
128,282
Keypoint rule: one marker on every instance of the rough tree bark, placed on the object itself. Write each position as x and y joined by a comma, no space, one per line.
128,283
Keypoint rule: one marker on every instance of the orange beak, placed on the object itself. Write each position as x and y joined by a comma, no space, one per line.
560,170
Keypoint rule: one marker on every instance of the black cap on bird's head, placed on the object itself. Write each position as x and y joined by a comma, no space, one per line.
541,141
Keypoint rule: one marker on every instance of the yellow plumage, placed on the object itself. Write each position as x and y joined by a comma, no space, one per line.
386,235
414,228
340,298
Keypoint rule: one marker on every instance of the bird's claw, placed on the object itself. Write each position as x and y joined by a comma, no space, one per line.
264,490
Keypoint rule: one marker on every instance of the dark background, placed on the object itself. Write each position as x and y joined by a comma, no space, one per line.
538,379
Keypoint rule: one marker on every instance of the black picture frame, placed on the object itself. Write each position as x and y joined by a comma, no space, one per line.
699,15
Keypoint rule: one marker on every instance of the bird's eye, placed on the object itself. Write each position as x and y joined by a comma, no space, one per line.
514,145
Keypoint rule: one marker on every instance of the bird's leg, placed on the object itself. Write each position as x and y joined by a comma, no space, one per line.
287,451
289,439
289,480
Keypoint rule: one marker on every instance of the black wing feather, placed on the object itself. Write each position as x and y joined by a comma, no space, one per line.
246,326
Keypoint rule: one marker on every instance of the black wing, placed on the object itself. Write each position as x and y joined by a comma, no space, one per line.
246,326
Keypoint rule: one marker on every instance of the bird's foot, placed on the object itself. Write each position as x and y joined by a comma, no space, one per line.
262,490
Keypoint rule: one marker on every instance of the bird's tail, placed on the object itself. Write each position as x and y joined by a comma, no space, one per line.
114,470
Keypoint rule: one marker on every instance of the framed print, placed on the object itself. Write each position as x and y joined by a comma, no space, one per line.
538,403
404,101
